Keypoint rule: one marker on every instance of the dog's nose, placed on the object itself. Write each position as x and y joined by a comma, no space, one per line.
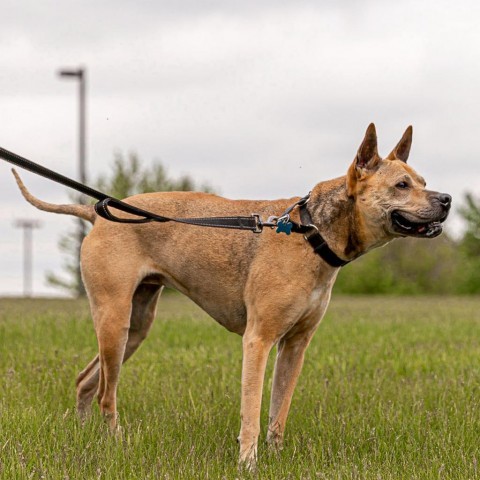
445,199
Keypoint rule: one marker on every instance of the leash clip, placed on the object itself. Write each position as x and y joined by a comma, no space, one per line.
271,221
259,225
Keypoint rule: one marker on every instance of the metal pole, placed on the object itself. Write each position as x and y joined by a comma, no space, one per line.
82,125
82,168
28,226
81,74
27,262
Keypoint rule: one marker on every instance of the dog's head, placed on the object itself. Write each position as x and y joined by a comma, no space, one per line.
390,196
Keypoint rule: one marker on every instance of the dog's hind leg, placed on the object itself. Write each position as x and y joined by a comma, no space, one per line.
144,304
87,386
144,308
112,323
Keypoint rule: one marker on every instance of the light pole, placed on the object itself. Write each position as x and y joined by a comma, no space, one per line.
80,74
28,226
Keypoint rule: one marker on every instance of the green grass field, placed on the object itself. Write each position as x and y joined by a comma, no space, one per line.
390,390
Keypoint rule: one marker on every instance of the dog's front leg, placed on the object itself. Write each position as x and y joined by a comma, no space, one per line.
288,365
255,355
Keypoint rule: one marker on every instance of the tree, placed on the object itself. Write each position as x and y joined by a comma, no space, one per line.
471,214
469,245
127,178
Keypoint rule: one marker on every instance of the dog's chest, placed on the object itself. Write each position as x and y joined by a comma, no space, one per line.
318,300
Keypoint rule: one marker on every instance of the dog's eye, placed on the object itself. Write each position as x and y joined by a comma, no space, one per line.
402,185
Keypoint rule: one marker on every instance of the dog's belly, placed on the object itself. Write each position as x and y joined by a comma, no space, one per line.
222,302
220,299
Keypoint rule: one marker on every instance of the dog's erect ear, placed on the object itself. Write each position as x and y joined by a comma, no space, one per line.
367,155
402,150
366,161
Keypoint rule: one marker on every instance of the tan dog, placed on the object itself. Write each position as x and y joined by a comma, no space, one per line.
232,274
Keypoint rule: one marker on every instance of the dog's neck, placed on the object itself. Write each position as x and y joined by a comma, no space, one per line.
339,220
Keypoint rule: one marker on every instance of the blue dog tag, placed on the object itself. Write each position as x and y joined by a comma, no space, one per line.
284,226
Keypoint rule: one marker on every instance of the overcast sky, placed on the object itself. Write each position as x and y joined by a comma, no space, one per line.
261,99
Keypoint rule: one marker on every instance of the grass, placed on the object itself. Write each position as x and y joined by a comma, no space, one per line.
390,390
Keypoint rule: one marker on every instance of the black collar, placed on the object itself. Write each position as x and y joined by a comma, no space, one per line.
318,243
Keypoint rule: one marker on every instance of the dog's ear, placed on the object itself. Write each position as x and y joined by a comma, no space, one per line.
366,161
402,150
367,154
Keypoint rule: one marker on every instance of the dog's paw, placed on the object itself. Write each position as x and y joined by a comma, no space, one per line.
275,445
248,459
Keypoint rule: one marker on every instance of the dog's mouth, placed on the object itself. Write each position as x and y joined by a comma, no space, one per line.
413,228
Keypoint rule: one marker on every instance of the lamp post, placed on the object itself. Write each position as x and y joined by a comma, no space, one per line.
28,226
80,74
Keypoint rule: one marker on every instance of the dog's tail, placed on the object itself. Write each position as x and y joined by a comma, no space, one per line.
87,212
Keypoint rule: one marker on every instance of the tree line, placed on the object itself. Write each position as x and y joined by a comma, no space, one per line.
443,265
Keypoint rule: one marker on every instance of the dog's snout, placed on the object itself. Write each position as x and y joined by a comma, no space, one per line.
445,199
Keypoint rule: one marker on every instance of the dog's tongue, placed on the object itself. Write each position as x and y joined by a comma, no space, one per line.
428,229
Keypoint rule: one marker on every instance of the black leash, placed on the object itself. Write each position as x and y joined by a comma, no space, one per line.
253,222
102,207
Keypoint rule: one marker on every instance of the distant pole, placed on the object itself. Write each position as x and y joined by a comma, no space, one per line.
80,74
28,226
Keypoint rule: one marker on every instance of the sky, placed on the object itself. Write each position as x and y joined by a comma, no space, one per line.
260,99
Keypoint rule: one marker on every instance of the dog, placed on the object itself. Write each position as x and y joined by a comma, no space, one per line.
234,275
